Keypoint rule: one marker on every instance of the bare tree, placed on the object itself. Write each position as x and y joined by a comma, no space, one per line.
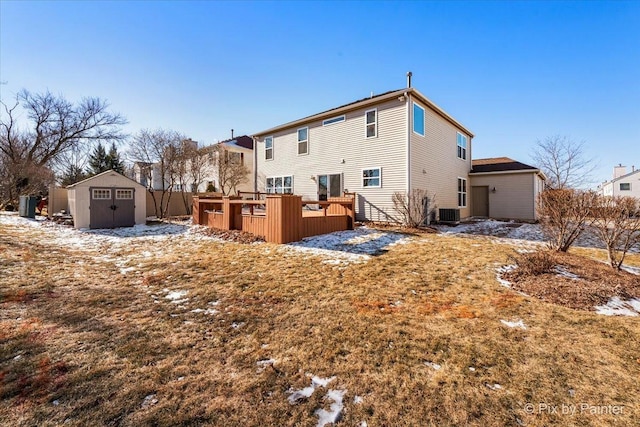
231,169
415,207
155,153
563,162
53,126
564,214
191,165
617,223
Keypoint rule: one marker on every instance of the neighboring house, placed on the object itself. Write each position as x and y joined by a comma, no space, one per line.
239,149
504,188
393,142
623,183
107,200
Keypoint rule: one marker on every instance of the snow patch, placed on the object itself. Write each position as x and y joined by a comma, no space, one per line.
619,307
350,246
263,364
563,272
149,400
495,386
433,365
334,414
176,297
517,324
304,393
505,269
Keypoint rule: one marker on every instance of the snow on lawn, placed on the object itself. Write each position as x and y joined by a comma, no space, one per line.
334,413
619,307
517,324
357,245
304,393
518,233
505,269
176,297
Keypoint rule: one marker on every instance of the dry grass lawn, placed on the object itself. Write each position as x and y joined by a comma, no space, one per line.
110,334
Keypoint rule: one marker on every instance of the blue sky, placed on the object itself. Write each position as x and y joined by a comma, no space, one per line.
512,72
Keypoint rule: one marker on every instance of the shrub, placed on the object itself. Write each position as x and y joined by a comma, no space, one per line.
535,263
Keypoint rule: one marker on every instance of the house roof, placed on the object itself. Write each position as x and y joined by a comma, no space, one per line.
499,164
243,141
365,102
109,172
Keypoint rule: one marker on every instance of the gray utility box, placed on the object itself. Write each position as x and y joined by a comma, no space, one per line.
27,208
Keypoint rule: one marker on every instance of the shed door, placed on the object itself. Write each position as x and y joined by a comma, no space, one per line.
480,201
111,207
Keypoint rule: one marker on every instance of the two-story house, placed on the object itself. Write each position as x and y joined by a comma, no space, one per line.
393,142
622,183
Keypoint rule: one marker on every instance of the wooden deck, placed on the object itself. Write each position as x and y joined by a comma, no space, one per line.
279,218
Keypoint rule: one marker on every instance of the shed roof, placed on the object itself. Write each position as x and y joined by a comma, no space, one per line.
101,175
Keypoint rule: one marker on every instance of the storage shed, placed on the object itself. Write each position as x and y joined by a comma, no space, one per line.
107,200
503,188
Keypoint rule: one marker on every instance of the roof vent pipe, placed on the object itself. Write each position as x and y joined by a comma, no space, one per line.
231,133
409,74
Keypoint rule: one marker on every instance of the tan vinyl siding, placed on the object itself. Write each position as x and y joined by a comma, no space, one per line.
435,166
515,194
330,145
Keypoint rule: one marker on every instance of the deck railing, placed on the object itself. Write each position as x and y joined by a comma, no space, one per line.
279,218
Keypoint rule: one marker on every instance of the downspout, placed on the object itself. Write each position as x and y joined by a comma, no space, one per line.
407,97
255,165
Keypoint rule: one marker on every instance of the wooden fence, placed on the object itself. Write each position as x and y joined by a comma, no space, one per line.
280,218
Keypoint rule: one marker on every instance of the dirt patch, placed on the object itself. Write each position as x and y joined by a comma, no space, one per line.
575,281
233,235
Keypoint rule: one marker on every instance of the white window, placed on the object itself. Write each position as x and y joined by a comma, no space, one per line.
124,194
462,146
462,193
371,178
333,120
625,186
101,194
280,185
303,141
418,119
371,118
268,148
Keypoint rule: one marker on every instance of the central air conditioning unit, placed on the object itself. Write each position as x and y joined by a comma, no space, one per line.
449,216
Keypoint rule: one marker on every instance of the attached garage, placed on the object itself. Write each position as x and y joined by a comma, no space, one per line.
503,188
107,200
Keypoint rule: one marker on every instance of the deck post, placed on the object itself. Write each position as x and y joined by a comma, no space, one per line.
283,218
227,215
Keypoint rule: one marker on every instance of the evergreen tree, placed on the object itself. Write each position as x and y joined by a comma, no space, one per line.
98,161
114,161
72,175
